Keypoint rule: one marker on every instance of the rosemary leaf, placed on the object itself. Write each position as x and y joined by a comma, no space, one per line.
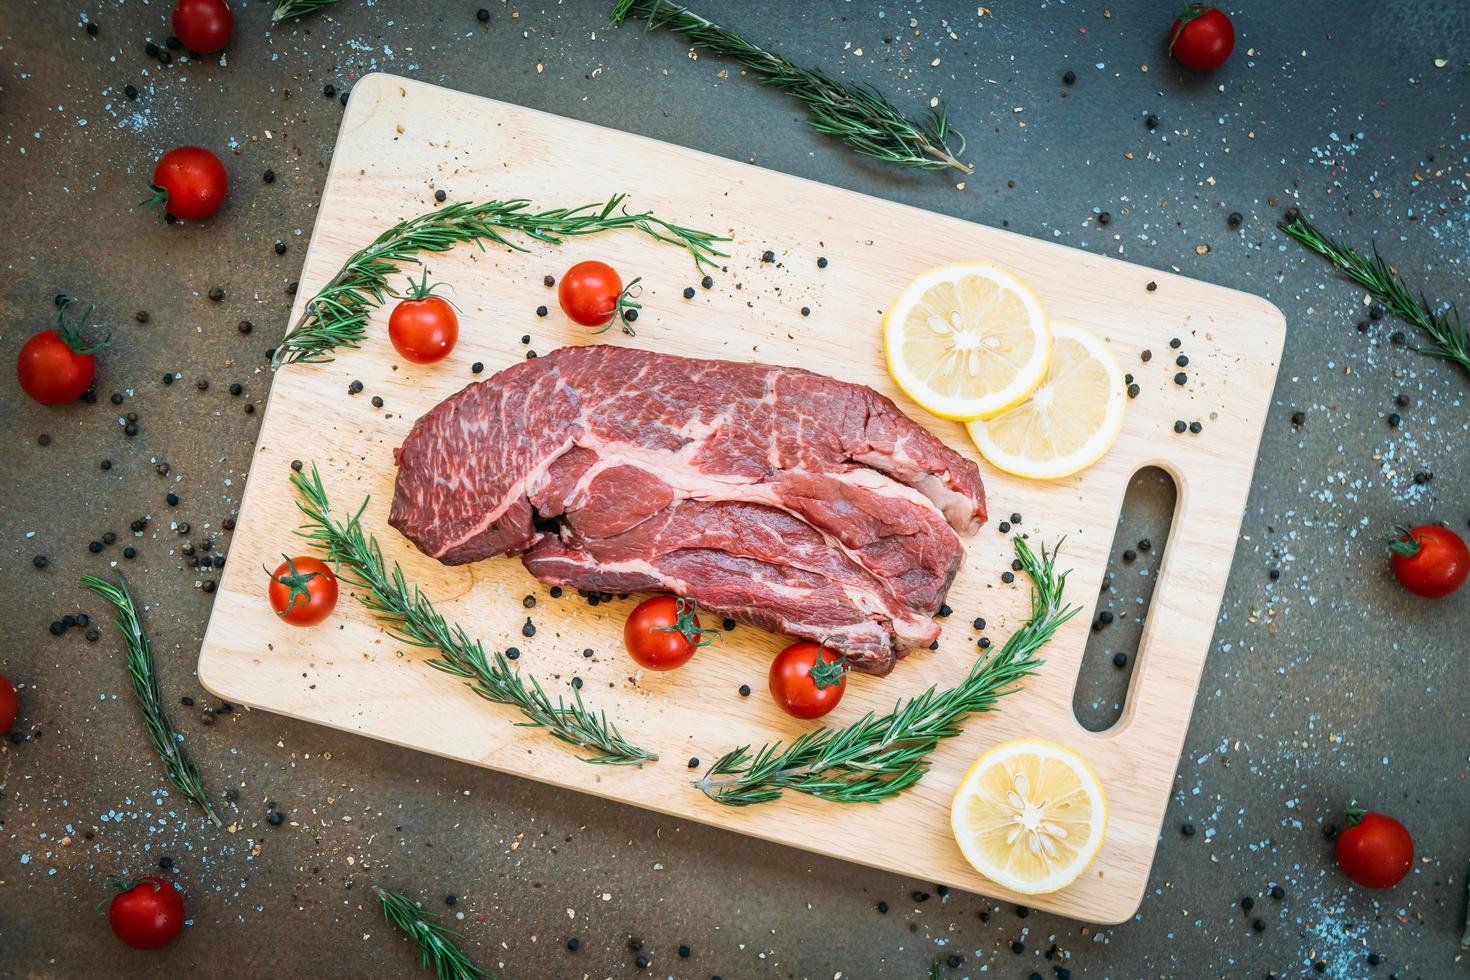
411,618
876,758
435,943
337,315
286,9
181,770
860,116
1441,324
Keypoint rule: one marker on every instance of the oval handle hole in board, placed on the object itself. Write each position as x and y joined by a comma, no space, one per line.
1103,683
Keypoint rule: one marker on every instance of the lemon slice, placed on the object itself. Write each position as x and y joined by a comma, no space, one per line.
967,340
1069,421
1030,815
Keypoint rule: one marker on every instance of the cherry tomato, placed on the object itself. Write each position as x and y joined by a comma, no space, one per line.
189,182
1430,561
663,633
57,366
424,327
7,705
203,25
1375,851
303,591
801,687
146,913
592,294
1202,38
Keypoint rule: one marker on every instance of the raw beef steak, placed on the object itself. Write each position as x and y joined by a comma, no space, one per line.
772,495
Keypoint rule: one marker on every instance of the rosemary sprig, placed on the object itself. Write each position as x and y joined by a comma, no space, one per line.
298,8
1442,325
181,770
410,617
876,758
436,943
337,315
859,115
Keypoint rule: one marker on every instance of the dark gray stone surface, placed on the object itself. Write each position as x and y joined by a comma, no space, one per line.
1325,684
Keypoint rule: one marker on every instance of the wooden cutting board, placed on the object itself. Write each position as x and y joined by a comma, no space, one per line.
400,141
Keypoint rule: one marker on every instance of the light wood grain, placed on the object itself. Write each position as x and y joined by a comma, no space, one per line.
399,141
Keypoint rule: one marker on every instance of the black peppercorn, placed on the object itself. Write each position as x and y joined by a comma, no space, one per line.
1258,925
269,176
1003,527
216,294
529,629
1187,830
40,561
1298,418
354,387
979,623
707,282
280,247
482,15
630,315
1402,401
1234,219
329,90
1069,78
1181,378
95,547
745,690
477,367
541,311
1151,286
296,465
1196,427
1277,892
882,908
574,944
208,585
1007,577
548,281
1120,660
688,292
512,653
984,642
440,196
1182,360
806,311
1133,391
1179,425
1104,218
1151,121
168,378
1129,554
377,401
172,498
276,818
107,464
130,552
